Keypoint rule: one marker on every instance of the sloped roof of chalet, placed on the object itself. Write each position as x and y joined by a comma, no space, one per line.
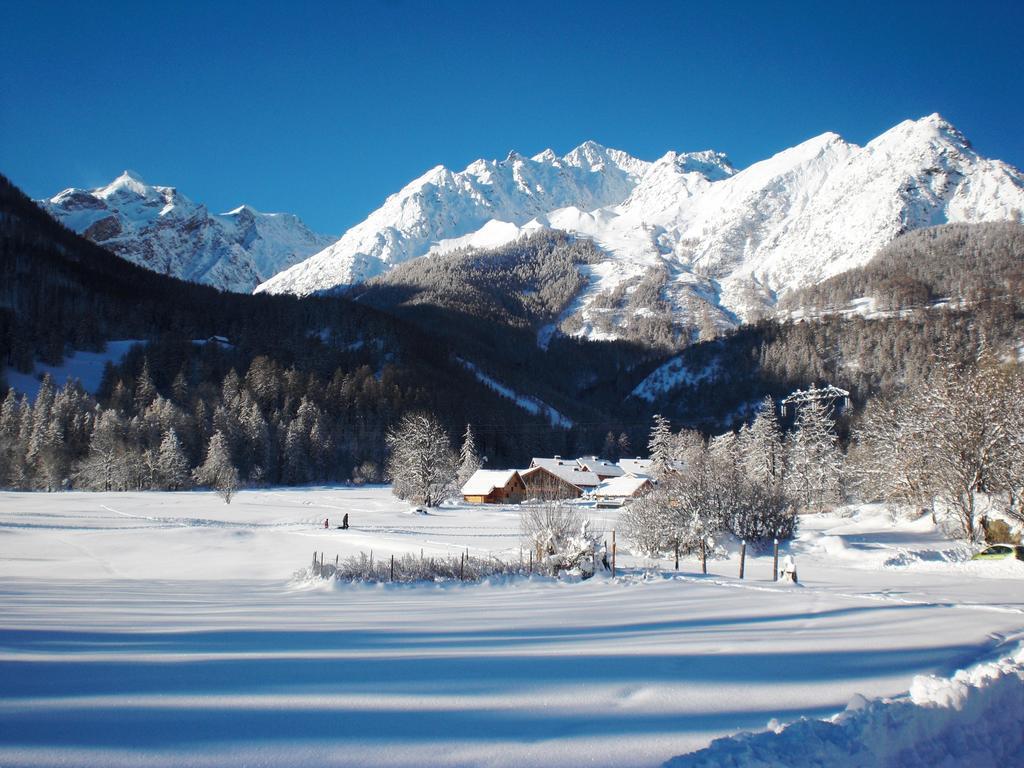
568,470
623,486
601,467
484,481
636,466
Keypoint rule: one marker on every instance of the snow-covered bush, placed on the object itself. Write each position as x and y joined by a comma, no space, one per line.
409,568
558,535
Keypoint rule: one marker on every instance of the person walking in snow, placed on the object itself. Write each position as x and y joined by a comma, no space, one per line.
327,523
344,521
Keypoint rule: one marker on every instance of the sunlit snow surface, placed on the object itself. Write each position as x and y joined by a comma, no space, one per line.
167,629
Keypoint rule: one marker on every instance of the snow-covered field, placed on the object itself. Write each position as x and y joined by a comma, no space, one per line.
167,629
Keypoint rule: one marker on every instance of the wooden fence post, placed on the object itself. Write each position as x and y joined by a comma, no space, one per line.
314,570
703,555
462,565
614,548
775,562
392,568
531,562
677,555
743,557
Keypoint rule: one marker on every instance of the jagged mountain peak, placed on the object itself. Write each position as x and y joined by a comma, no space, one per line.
930,133
159,228
720,240
443,205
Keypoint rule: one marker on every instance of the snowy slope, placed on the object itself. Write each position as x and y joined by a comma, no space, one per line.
161,229
727,243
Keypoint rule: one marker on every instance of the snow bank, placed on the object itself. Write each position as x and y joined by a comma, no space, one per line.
975,717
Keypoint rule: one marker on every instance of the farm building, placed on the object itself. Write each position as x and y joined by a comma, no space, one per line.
568,470
620,488
638,467
603,468
541,483
494,486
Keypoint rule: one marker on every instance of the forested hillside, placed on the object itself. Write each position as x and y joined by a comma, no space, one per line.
968,262
306,389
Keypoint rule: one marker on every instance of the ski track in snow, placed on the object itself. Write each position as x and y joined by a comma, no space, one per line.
186,640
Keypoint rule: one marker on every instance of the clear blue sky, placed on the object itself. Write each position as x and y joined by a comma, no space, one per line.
325,109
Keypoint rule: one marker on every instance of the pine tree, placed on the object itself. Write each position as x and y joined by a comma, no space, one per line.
660,446
104,467
469,461
217,470
761,446
171,464
180,390
815,464
145,389
10,425
610,449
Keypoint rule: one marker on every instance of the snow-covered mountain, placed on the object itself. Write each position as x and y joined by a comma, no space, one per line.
161,229
500,196
723,244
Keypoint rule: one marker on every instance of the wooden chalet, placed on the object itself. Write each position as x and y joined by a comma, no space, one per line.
494,486
542,483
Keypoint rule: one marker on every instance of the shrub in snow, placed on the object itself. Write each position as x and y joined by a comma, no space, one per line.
409,569
558,535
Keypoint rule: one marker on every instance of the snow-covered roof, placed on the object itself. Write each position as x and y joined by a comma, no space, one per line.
484,481
624,486
568,470
636,466
601,467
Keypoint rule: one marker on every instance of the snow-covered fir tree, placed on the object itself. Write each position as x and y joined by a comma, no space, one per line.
814,463
761,446
218,470
660,446
172,466
469,459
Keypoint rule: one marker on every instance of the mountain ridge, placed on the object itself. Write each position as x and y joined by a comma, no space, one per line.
159,228
725,244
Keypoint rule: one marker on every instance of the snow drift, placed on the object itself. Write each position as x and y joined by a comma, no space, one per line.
975,717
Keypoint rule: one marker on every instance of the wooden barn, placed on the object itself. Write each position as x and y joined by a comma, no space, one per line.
494,486
542,483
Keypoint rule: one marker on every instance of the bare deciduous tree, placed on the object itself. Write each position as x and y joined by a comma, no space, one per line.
422,464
